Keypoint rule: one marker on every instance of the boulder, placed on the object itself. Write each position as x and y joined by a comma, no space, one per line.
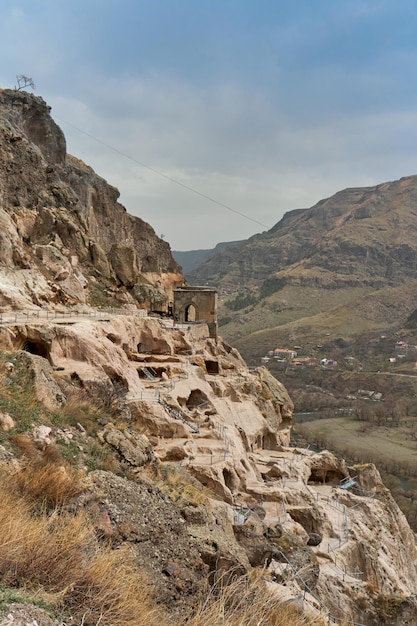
46,388
6,422
133,448
41,435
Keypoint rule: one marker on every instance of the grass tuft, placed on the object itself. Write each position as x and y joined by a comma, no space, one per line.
47,485
247,602
181,486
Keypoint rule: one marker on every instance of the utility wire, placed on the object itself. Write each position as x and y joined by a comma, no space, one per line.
172,180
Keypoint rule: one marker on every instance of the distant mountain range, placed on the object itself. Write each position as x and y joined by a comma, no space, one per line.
344,267
193,259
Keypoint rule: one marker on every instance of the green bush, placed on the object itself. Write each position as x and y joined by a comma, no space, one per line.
241,301
224,320
270,286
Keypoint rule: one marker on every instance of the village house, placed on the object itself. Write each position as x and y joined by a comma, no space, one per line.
282,354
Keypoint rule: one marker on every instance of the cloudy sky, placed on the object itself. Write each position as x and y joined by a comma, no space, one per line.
262,106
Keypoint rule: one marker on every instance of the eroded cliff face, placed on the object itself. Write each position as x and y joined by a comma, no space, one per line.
191,416
64,237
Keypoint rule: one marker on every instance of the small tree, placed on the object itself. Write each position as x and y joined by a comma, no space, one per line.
24,81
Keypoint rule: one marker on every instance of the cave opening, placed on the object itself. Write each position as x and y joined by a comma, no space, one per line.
324,476
269,441
38,348
212,367
196,399
229,480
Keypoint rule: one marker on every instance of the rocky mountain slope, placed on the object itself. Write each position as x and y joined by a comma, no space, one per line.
63,236
363,236
350,259
138,453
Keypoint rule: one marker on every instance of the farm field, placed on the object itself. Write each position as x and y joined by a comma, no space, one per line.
359,441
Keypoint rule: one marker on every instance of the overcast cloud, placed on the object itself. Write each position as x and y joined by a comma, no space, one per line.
265,106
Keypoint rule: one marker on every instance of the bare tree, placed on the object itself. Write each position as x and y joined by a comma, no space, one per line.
24,81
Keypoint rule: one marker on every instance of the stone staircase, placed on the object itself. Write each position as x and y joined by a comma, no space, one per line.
178,416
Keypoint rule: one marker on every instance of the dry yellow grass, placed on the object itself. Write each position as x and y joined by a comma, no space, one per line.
57,557
181,486
248,602
80,410
112,591
47,485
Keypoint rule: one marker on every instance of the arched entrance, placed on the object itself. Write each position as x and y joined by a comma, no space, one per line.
196,305
191,314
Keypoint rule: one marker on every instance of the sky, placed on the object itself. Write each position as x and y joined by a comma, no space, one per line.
213,118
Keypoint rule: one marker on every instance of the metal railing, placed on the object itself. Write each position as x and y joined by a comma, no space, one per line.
210,459
342,568
178,416
149,373
145,396
35,315
307,590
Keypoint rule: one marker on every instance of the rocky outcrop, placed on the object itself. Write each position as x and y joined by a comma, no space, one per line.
19,614
133,448
40,372
208,487
145,519
64,237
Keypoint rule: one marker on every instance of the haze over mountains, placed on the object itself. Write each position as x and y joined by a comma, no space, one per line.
351,257
191,260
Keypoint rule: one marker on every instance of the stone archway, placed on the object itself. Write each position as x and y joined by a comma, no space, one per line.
191,313
196,305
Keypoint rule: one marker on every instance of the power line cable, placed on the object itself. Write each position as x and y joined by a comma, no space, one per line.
172,180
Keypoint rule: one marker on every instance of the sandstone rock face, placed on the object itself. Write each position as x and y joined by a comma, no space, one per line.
135,449
47,390
218,419
189,406
54,209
